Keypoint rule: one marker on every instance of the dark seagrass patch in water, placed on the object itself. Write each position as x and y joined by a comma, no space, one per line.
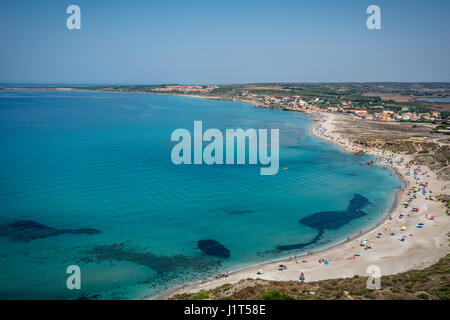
28,230
330,220
213,248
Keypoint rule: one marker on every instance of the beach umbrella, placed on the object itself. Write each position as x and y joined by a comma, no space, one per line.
403,228
420,224
305,260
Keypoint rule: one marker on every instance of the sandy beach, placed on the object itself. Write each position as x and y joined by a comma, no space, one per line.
396,244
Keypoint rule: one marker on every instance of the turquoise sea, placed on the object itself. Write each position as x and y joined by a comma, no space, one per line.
86,179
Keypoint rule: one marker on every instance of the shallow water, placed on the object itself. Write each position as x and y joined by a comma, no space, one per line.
101,161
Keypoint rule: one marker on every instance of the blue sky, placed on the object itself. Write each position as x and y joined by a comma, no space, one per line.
224,41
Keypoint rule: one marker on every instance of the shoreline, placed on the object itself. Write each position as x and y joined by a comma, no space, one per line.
346,259
395,202
169,292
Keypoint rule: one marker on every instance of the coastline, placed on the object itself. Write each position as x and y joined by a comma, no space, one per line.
422,247
175,290
393,205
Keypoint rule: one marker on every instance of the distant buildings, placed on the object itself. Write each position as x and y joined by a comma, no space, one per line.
298,103
186,89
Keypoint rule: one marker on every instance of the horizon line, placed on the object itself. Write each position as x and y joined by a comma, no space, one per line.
206,84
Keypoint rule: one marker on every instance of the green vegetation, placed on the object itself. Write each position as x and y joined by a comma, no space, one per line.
275,295
202,295
432,283
445,199
445,115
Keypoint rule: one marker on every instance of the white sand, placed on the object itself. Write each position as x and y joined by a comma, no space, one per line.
421,248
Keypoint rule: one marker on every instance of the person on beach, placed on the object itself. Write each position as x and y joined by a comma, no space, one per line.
302,277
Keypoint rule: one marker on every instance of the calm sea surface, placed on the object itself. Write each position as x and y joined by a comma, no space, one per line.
435,99
86,179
